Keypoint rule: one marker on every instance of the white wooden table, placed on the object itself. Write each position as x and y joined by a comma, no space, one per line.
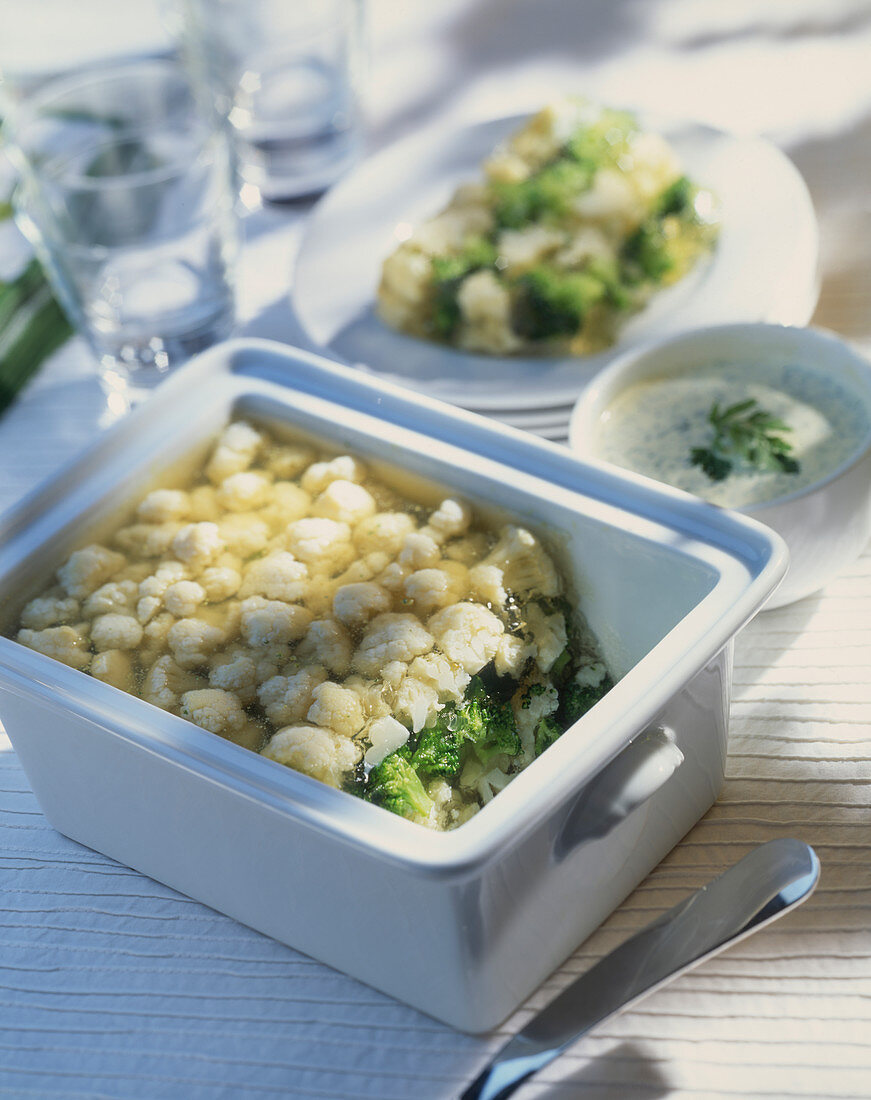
114,986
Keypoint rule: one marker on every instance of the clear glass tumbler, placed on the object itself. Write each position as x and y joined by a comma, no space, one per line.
127,191
286,76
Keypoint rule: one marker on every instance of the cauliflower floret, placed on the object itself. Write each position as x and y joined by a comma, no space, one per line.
450,519
241,670
135,571
198,544
548,635
87,569
487,584
327,643
371,696
245,491
286,699
271,622
164,506
611,201
235,451
391,637
237,673
147,540
434,588
530,703
467,633
525,565
591,675
45,611
393,673
63,643
416,702
512,655
116,595
319,475
419,551
363,569
406,275
448,679
192,641
491,783
244,533
114,667
393,577
220,582
215,710
115,631
321,542
485,305
587,242
203,504
524,248
287,459
385,532
468,549
155,639
287,504
345,502
166,681
356,604
385,735
183,598
319,594
336,708
314,751
153,588
278,576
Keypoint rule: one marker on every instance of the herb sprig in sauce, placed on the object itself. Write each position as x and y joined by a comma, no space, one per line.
747,433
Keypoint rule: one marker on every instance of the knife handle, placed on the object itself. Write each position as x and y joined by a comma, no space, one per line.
768,882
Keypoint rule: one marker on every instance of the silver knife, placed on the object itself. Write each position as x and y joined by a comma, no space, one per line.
771,880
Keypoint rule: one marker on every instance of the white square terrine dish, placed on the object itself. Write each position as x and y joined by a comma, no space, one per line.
462,924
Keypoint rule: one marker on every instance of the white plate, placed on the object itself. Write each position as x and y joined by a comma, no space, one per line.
763,269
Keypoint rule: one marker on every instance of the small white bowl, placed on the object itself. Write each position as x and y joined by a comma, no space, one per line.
826,524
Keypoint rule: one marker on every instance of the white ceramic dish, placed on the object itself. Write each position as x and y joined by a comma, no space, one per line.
764,267
825,525
463,925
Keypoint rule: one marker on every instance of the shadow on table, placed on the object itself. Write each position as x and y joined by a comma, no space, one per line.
492,36
626,1070
278,321
835,167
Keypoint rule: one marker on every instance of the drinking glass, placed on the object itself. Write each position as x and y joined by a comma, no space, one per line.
286,76
127,191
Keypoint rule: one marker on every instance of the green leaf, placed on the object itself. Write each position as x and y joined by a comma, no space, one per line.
33,326
746,432
715,467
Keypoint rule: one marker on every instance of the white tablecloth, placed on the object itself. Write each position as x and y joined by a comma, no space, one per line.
112,985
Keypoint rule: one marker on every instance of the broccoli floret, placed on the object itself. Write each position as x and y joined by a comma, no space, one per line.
535,688
546,732
448,273
676,198
602,141
488,726
552,303
645,254
575,700
396,786
437,752
562,666
548,193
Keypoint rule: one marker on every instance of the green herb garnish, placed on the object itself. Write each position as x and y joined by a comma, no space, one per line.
748,433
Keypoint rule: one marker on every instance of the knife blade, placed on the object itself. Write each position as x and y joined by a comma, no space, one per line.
773,879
